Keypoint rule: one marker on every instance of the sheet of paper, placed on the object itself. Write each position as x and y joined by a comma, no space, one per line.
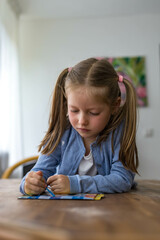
70,196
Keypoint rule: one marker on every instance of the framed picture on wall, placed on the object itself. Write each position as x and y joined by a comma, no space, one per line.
133,69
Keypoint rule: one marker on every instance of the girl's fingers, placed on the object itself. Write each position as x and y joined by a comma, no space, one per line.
35,183
52,179
58,191
59,183
39,173
55,186
36,180
34,190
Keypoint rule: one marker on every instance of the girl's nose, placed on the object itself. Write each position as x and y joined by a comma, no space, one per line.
83,119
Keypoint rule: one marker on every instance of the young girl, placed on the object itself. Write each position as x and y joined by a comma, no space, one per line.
90,145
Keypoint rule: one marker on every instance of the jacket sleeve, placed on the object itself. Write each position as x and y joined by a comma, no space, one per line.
119,180
45,163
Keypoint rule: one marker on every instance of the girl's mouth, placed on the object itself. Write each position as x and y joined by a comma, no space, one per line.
83,129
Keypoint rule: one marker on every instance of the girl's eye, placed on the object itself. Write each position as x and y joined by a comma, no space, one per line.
94,114
74,111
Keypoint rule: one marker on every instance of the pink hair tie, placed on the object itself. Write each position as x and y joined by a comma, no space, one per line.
122,90
120,78
69,69
99,58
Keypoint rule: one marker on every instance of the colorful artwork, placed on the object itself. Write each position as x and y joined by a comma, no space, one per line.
133,69
81,196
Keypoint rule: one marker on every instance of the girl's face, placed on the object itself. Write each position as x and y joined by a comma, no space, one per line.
87,115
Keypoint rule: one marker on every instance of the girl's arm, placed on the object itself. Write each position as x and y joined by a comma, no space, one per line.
119,180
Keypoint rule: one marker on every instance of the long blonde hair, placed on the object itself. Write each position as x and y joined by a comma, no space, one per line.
101,75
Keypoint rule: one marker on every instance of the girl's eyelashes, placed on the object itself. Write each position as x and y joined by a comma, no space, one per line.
94,114
91,113
74,111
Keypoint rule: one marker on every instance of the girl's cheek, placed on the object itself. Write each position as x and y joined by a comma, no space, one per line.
71,118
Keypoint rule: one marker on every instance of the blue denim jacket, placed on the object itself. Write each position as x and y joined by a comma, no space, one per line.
112,177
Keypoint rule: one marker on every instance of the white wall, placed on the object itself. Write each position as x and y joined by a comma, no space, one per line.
10,128
48,46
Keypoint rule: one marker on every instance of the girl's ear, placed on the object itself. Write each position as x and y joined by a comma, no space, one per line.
116,105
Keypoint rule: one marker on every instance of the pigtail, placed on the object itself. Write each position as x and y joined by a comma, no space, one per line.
127,116
58,120
128,153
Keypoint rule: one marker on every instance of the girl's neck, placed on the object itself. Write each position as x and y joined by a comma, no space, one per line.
87,143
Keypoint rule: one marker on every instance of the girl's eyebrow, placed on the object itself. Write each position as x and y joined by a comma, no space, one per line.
71,105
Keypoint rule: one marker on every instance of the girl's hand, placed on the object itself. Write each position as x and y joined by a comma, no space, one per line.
35,184
59,184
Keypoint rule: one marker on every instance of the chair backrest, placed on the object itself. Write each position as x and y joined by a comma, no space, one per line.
10,169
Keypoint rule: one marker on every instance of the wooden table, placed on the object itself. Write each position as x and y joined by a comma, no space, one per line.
127,216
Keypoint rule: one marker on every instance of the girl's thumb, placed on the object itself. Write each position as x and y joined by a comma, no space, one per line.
40,173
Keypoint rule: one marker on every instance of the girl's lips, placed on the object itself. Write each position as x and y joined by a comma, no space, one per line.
83,129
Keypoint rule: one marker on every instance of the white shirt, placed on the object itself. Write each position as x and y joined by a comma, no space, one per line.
87,166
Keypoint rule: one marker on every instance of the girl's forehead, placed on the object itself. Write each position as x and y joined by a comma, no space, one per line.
97,93
87,90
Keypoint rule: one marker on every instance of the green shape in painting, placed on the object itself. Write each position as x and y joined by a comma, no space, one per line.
133,69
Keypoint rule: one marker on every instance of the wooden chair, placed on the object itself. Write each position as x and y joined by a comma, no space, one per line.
10,169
